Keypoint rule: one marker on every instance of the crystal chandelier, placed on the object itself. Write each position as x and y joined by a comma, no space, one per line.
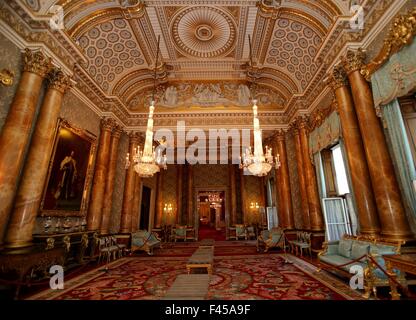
258,163
148,162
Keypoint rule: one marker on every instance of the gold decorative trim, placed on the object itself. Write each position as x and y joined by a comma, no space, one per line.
401,34
92,139
36,62
100,16
338,78
58,80
6,77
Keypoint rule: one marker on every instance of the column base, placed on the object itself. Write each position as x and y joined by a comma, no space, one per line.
397,237
18,245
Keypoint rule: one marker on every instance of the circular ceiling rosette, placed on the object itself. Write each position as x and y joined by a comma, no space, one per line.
204,32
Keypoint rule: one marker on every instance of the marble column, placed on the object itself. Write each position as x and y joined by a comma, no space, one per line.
129,186
283,184
159,200
109,182
16,130
360,175
95,209
244,208
302,181
29,194
190,208
315,213
179,187
233,194
136,203
394,224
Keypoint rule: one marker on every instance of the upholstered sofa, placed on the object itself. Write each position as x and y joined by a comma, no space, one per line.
273,238
340,256
144,240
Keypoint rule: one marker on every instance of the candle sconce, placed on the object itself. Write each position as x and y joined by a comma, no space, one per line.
6,77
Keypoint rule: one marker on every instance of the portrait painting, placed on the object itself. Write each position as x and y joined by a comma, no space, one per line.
70,172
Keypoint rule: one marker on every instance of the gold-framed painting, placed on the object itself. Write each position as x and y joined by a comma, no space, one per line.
66,191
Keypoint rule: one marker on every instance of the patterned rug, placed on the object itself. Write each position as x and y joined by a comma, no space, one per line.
222,248
249,277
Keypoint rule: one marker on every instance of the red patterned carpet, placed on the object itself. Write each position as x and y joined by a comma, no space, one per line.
249,277
206,232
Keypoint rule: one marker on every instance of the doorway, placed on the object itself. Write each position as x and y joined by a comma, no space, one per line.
145,208
212,215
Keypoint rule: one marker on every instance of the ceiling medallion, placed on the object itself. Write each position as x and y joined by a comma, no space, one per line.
203,32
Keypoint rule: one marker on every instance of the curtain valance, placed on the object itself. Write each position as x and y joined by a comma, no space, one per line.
325,135
396,78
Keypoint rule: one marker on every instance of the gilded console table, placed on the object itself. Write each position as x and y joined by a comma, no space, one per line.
403,262
74,243
25,263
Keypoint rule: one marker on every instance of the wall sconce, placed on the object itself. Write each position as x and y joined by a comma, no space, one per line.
169,215
6,77
254,205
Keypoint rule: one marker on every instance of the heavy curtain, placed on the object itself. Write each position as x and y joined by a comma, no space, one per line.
402,156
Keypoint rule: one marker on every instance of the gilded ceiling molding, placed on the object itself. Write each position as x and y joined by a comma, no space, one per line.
401,34
103,15
306,19
130,80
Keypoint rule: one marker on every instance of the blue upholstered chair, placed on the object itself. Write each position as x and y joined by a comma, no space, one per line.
273,238
144,240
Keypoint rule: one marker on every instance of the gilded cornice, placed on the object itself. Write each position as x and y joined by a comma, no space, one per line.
36,62
58,80
401,34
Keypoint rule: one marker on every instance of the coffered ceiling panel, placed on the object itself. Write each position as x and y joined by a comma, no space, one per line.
205,64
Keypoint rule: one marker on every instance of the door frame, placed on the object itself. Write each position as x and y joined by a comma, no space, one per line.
227,207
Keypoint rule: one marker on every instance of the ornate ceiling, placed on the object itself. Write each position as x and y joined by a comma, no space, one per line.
205,53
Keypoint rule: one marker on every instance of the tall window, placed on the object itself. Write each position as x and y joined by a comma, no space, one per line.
336,195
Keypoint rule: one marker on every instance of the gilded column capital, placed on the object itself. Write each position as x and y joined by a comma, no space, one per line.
36,62
280,135
134,137
107,124
302,122
353,60
58,80
117,131
338,78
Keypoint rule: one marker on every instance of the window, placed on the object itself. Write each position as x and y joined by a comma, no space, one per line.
338,208
340,172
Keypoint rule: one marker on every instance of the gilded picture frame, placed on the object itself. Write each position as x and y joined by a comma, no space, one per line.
67,188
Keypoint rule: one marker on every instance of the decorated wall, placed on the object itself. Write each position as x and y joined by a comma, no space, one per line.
10,59
294,181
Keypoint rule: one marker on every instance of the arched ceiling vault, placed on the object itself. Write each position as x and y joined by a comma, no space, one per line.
204,48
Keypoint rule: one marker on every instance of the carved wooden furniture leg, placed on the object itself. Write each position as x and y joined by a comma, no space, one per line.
393,286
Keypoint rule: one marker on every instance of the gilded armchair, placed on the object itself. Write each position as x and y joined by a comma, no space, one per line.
273,238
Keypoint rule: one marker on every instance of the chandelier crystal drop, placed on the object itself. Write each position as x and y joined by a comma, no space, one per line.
258,163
